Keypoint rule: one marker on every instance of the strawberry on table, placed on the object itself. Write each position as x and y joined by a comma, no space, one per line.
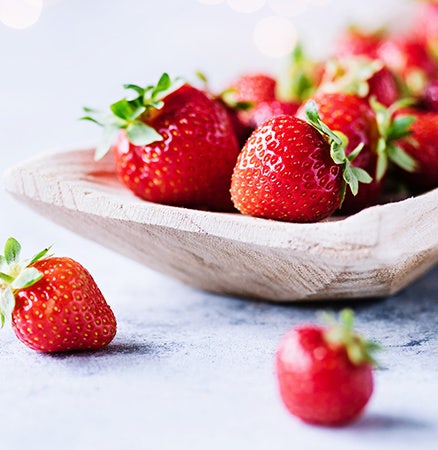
53,302
173,144
293,170
324,372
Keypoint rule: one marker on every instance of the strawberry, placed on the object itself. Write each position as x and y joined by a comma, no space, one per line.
409,59
53,302
353,117
173,145
422,146
248,92
292,170
361,76
358,42
324,372
269,109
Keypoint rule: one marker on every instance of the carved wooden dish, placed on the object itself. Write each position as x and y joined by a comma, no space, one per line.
374,253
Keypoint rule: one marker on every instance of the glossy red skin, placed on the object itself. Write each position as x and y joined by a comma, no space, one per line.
63,311
192,165
317,382
354,117
425,133
285,172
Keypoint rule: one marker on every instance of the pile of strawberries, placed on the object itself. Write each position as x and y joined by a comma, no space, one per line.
328,136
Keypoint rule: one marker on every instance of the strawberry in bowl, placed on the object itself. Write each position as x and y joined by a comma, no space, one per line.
172,144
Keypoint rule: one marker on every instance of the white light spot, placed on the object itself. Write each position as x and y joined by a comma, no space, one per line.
20,14
211,2
246,6
288,8
275,36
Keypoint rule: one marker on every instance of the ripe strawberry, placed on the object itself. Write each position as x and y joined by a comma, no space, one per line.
360,76
294,171
354,118
247,92
53,302
408,58
325,372
358,42
173,145
422,146
269,109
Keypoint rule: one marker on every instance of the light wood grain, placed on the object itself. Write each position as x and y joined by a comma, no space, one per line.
374,253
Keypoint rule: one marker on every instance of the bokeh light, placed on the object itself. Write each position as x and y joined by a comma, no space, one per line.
288,8
246,6
20,14
275,36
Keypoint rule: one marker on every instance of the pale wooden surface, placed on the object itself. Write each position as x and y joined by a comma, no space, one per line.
374,253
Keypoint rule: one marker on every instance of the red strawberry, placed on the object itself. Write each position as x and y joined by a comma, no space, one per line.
353,116
325,372
293,171
269,109
422,146
54,303
176,147
247,92
361,76
357,42
408,58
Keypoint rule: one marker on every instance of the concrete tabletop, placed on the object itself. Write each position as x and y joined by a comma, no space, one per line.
187,369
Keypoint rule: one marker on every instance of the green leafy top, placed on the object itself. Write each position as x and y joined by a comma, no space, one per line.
15,275
299,80
391,129
341,333
130,115
349,75
352,176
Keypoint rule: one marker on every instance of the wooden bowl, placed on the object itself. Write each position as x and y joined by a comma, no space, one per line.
373,253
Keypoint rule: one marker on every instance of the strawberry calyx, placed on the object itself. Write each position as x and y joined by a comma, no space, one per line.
133,114
391,129
15,274
350,75
338,142
299,80
340,333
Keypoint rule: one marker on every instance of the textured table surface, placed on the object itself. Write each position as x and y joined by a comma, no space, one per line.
187,369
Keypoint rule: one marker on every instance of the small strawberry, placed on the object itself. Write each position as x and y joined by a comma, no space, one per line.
422,147
325,373
53,302
353,117
173,144
292,170
253,97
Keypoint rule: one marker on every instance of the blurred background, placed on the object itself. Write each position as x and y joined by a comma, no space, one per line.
59,55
